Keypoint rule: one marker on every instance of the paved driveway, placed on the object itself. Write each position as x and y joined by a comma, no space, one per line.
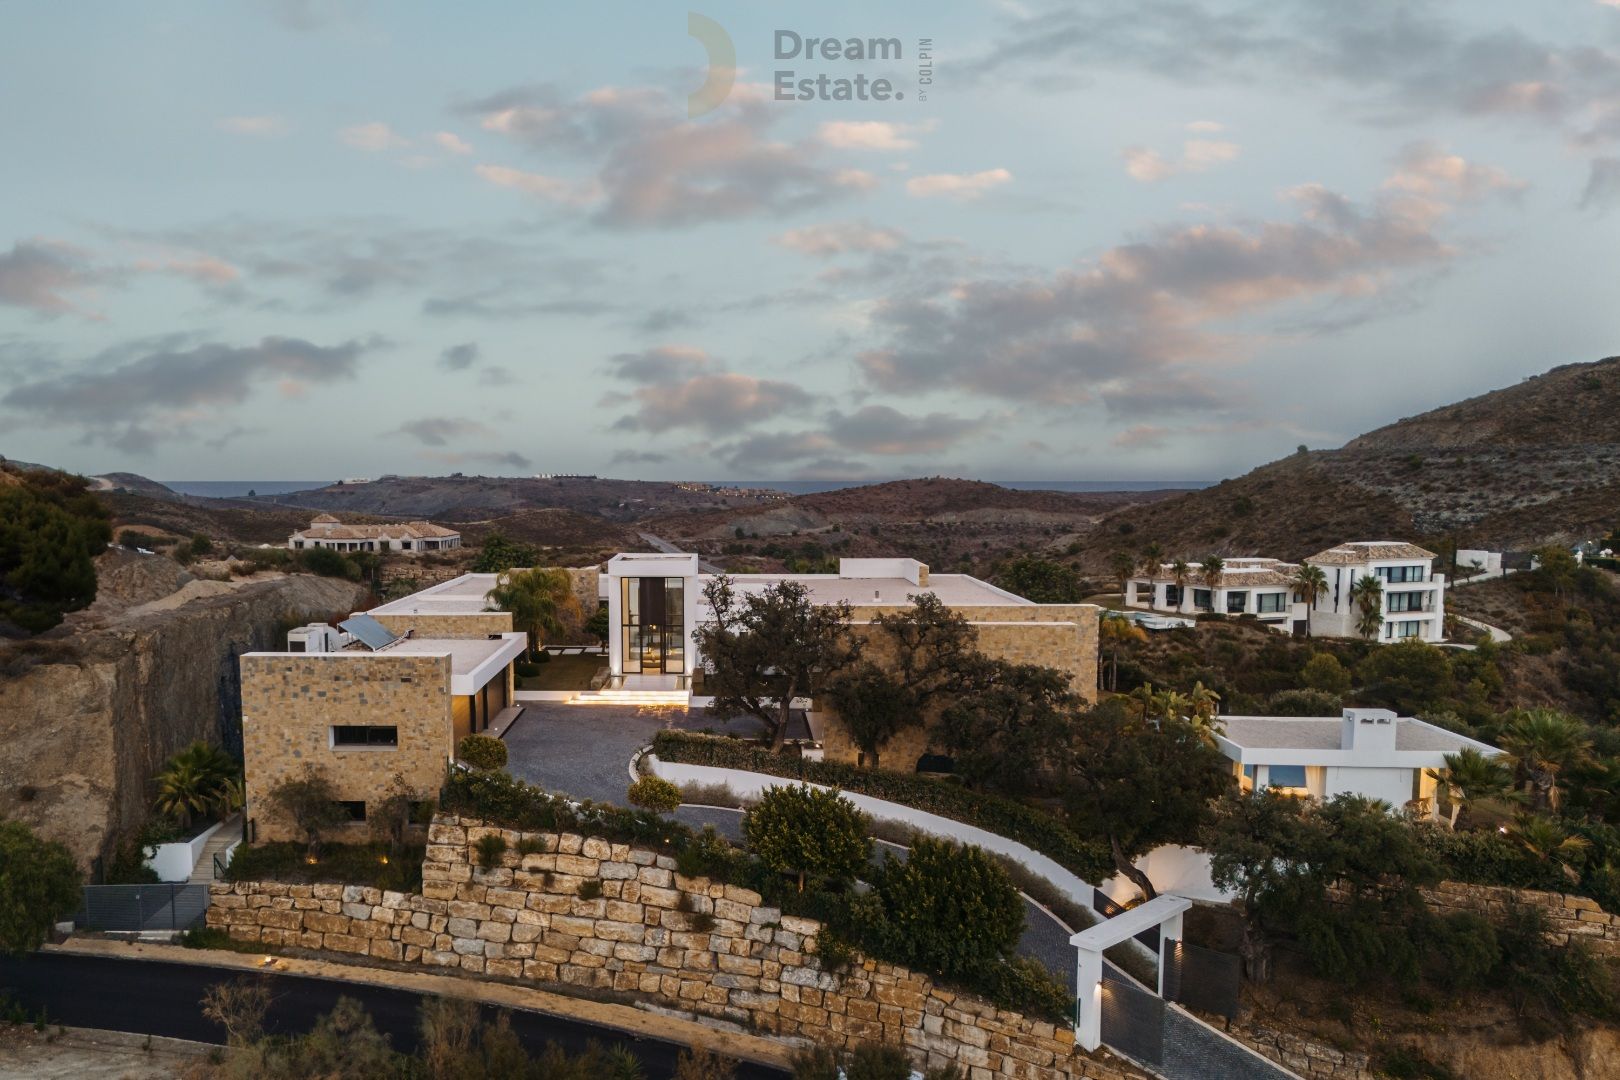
585,751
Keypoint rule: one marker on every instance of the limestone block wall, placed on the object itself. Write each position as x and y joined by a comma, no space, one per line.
481,625
687,943
290,702
1569,918
1305,1056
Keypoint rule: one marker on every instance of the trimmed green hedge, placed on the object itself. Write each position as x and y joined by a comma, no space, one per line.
501,799
1086,859
1488,858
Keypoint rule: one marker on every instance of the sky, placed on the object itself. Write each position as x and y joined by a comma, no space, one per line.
1137,239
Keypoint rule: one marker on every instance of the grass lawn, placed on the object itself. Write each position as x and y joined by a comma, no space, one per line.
569,672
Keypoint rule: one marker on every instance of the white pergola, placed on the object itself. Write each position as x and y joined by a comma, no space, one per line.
1165,912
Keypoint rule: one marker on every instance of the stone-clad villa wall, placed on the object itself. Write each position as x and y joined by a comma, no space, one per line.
484,624
752,965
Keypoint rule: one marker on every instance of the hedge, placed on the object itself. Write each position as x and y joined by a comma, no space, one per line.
502,799
345,864
1489,858
1086,859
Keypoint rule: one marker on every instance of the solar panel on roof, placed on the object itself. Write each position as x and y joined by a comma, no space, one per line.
373,634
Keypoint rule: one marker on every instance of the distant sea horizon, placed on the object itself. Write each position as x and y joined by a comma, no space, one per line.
232,489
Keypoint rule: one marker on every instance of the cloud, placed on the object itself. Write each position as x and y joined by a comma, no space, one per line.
202,269
451,143
1138,327
40,274
880,429
373,137
961,186
839,238
1197,155
638,457
133,403
307,16
509,459
261,126
551,188
459,357
639,163
1398,61
1141,437
1206,127
869,134
682,387
1425,168
440,430
1602,182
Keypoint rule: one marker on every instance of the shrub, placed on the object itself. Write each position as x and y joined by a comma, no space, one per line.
309,801
349,864
1467,950
328,563
1304,702
531,845
947,909
590,889
526,669
39,883
816,1063
1087,859
698,1063
877,1061
482,751
491,849
656,795
808,832
501,799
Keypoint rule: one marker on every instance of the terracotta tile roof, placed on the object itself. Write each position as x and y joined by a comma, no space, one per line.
327,527
1362,551
1238,573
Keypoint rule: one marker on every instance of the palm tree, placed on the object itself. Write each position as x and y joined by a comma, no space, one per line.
196,781
1153,559
1204,704
1367,593
1179,573
1115,631
1543,743
1311,583
541,601
1470,777
1145,696
1212,568
1548,840
1124,566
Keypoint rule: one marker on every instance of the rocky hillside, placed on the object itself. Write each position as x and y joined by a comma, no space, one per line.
90,711
1530,464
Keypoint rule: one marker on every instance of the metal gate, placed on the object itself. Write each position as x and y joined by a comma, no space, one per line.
1132,1018
142,907
1203,979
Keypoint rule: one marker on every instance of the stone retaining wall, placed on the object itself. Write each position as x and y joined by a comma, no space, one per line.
1569,918
688,943
1305,1057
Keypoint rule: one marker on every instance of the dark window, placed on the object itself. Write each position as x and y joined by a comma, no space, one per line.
1203,599
1271,601
356,810
365,735
1237,602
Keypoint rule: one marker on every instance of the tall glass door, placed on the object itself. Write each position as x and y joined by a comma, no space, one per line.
653,618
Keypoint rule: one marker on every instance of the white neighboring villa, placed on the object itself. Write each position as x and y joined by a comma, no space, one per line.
1369,752
326,531
1412,601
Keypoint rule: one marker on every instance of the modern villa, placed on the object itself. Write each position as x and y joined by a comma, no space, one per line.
326,531
1369,752
1412,601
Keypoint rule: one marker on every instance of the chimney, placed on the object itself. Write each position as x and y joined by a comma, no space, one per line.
1368,731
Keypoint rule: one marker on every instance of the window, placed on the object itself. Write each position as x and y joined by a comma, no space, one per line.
1271,602
1237,602
356,809
1288,776
1403,573
1203,599
1172,596
1407,601
1409,628
348,736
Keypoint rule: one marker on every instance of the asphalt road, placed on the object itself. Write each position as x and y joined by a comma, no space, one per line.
158,998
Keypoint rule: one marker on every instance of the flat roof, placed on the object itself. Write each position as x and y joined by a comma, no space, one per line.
466,654
1326,733
465,595
953,590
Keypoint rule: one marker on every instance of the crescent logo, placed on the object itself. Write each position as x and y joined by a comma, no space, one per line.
722,67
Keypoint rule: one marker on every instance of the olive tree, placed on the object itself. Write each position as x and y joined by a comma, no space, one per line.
39,883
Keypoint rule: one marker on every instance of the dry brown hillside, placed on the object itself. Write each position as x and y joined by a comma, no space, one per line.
1530,464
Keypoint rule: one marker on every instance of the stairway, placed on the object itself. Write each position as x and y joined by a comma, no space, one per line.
227,834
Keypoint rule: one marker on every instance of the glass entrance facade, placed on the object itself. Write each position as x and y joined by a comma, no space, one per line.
653,625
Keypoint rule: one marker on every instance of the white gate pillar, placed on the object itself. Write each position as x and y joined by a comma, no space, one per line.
1088,999
1163,911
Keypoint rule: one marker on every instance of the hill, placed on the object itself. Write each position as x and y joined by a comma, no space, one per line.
1526,465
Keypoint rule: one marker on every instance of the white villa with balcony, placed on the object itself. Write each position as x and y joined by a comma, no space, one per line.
1412,600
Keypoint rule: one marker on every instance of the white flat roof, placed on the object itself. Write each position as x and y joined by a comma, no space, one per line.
473,661
465,595
953,590
1291,740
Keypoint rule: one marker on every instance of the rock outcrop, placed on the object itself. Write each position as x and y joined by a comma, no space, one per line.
89,713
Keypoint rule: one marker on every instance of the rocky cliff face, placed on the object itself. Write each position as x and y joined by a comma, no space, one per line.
88,715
